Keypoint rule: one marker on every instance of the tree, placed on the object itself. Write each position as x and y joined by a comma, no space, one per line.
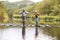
3,14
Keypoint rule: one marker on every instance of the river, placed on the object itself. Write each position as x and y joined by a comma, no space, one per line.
16,34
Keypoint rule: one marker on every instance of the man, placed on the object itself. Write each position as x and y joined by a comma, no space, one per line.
24,15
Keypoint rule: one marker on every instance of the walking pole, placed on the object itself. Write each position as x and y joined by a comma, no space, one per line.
36,30
23,20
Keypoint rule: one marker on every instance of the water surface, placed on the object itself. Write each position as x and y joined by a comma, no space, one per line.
16,34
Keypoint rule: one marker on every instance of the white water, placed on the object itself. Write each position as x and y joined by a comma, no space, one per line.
15,34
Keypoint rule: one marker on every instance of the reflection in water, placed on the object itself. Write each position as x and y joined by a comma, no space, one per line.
36,33
16,34
23,33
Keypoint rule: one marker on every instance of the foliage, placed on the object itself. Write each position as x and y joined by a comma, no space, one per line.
3,14
47,7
